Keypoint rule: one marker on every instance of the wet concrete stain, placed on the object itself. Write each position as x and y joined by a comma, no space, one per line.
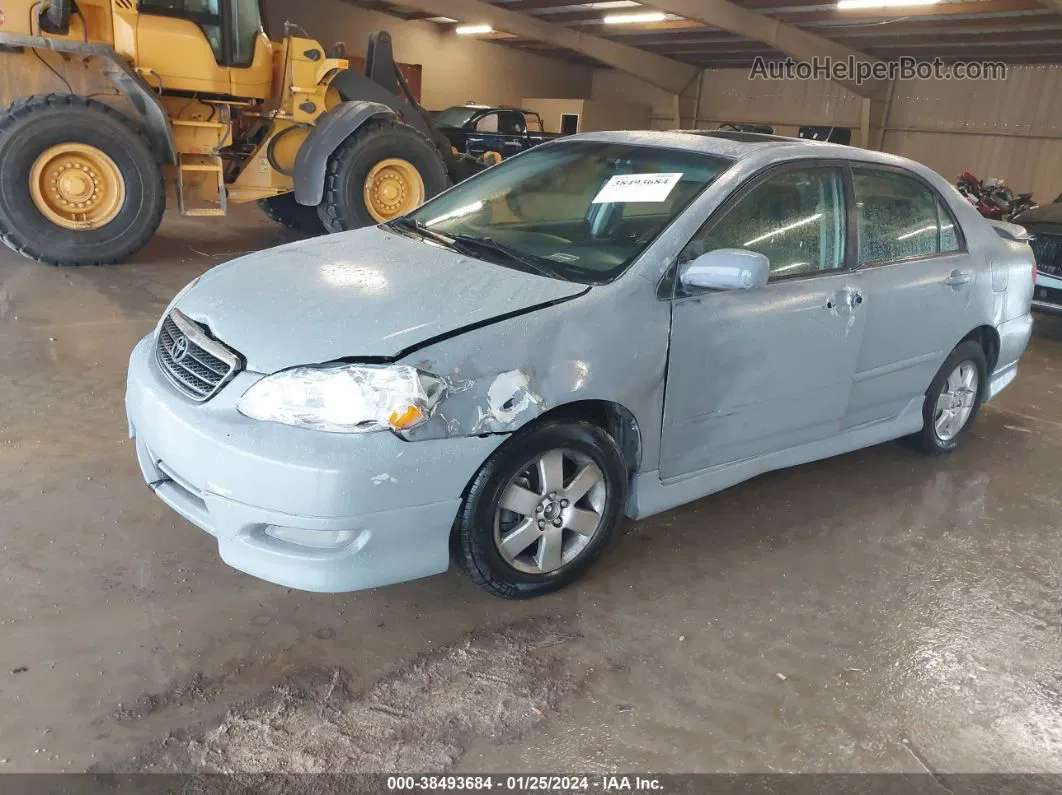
493,685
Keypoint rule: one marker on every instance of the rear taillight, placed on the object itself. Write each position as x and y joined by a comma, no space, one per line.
1034,271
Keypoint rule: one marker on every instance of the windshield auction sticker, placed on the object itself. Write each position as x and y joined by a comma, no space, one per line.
637,188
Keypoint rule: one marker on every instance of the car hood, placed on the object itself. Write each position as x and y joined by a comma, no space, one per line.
365,293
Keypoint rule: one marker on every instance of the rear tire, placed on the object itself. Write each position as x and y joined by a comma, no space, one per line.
289,213
952,404
344,205
44,137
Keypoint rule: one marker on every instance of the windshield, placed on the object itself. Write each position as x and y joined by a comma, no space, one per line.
575,210
455,117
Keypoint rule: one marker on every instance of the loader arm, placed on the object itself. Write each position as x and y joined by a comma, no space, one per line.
383,82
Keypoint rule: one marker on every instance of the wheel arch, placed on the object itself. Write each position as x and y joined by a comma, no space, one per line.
988,338
150,115
613,418
331,130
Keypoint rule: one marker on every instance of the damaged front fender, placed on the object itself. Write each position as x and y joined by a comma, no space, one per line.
498,403
501,377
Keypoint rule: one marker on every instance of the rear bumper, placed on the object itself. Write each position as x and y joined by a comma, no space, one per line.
308,510
1014,336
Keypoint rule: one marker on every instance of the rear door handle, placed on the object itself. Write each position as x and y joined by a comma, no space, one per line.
956,278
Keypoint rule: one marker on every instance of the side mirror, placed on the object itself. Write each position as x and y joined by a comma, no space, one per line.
725,269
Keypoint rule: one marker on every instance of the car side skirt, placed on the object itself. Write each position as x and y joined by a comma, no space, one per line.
650,495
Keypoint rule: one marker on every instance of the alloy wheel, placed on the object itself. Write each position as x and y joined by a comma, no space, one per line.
550,512
956,401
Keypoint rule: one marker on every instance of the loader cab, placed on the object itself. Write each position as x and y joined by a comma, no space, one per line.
209,46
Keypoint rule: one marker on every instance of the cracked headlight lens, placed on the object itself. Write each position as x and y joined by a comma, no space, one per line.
349,398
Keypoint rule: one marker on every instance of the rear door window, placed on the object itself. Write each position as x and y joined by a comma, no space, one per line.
900,217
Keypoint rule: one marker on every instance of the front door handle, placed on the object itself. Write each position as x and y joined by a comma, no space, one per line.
849,298
956,277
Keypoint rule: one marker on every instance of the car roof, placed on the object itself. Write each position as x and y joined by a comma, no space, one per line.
739,145
492,107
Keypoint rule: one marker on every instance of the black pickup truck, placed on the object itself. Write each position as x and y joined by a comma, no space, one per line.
476,130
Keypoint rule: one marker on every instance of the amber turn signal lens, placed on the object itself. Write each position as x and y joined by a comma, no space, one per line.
410,416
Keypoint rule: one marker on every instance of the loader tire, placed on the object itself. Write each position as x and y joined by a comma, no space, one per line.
289,213
382,171
79,183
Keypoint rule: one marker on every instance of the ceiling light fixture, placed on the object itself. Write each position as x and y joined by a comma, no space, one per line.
854,4
472,30
630,19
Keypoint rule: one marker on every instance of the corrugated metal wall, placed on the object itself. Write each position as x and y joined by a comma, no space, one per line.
1010,128
729,95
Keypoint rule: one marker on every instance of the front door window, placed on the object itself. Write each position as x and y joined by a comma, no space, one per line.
796,219
488,123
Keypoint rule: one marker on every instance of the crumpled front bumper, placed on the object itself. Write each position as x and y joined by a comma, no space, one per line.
309,510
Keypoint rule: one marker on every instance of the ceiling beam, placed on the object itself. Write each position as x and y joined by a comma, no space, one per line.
800,44
986,9
677,42
1003,10
666,73
534,5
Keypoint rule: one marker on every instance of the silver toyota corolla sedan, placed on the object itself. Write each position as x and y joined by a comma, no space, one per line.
609,325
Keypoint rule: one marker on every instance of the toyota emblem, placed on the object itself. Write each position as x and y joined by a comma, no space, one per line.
179,348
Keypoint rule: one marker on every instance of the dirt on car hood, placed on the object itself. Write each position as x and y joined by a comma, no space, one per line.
365,293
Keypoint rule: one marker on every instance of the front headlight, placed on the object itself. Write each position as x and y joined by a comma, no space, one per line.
354,398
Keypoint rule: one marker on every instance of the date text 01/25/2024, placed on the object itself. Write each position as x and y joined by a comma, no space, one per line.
524,783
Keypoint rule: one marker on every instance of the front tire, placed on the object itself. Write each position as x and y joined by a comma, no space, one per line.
541,509
953,401
382,171
79,183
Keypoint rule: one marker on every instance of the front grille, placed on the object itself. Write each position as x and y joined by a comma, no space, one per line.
196,364
1048,251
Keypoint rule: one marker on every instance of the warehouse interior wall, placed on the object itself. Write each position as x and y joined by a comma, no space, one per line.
550,109
1008,128
457,69
614,115
594,115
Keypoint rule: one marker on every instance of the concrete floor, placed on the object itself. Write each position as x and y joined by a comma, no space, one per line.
875,612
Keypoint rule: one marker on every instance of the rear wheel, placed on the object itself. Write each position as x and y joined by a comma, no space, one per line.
952,400
80,184
382,171
287,212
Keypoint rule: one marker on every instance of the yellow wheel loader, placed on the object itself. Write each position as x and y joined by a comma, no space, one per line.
193,94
